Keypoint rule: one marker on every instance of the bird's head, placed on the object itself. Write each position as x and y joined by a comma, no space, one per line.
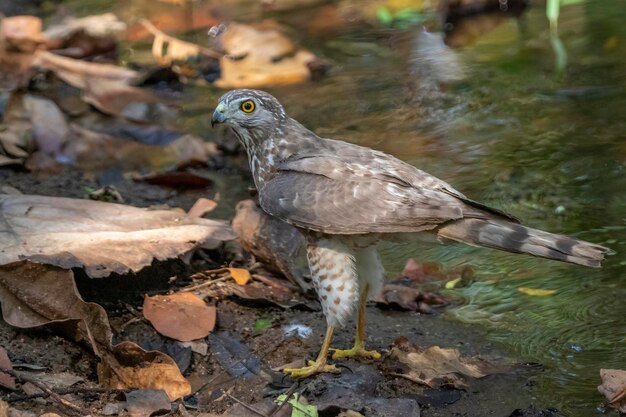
253,114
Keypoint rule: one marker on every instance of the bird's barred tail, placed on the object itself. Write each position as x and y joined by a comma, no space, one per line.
512,237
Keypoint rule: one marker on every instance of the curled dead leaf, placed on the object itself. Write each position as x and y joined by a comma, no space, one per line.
136,368
33,295
436,366
181,316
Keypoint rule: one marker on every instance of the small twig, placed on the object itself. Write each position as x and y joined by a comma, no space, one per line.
246,406
204,284
46,389
417,381
288,394
618,397
273,283
128,323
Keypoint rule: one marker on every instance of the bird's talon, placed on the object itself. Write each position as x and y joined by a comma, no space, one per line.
313,368
355,352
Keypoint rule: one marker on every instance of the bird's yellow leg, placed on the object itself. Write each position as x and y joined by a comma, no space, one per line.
319,365
358,350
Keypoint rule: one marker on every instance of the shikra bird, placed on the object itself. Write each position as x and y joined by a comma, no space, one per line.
345,198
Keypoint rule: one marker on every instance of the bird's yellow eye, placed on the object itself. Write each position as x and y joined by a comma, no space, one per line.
248,106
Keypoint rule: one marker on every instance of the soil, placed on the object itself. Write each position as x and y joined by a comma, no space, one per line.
368,386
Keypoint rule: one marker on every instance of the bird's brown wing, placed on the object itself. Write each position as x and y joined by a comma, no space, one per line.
347,196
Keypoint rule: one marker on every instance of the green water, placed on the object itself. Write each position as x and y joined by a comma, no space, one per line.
512,132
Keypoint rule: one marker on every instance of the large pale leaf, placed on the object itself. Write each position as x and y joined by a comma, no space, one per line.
101,237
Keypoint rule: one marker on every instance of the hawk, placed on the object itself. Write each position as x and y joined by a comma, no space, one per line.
345,198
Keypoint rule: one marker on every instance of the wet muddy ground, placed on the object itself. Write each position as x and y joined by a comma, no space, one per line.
367,387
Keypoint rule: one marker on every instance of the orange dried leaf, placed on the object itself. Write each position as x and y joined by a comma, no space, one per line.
181,316
240,275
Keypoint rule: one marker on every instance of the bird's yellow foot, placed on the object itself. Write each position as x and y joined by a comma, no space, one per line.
315,367
355,352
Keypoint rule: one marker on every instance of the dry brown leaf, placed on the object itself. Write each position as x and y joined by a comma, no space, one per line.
88,149
181,316
167,49
21,33
32,295
261,57
397,294
613,388
6,381
113,96
240,275
16,139
137,368
437,366
106,86
101,237
201,207
75,72
100,25
50,130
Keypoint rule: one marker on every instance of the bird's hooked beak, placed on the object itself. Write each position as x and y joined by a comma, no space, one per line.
219,115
